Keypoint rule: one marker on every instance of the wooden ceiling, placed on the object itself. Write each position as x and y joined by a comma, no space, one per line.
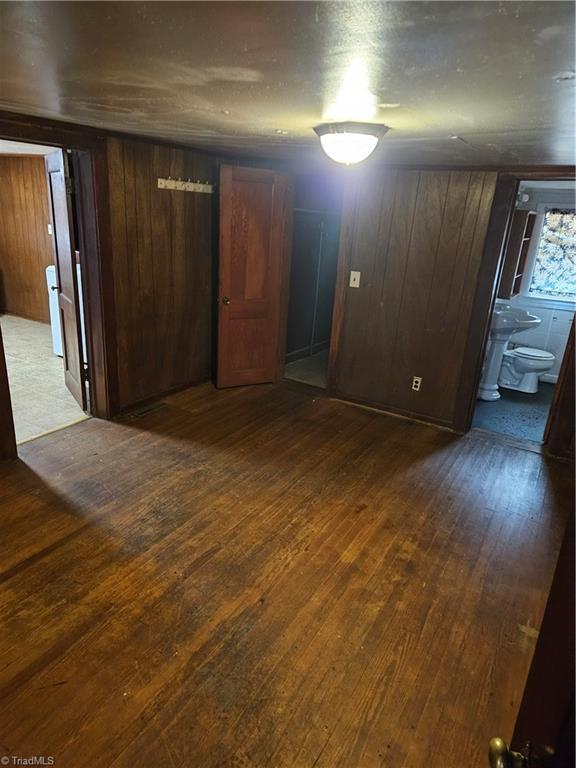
483,83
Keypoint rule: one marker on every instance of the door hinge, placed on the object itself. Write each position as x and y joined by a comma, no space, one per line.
69,186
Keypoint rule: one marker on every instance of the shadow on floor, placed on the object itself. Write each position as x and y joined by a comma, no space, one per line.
516,414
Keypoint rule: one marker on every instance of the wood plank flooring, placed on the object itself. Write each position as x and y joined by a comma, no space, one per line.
265,577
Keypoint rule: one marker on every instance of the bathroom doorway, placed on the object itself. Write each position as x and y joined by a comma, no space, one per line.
533,313
41,306
314,263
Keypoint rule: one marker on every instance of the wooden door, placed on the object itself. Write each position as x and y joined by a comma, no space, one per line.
64,257
544,730
255,239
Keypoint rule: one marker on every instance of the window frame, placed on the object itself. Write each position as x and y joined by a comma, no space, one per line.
542,300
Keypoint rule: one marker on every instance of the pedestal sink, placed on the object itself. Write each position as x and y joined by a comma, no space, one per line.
506,321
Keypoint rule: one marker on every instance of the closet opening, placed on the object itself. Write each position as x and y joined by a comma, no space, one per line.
314,263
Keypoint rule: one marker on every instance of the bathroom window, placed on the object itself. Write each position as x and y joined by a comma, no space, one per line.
554,272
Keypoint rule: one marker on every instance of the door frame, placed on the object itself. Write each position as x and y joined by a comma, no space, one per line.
89,157
485,296
559,430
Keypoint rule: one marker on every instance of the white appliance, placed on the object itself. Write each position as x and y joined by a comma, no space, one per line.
55,311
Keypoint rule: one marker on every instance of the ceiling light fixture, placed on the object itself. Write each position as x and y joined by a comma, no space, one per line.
349,143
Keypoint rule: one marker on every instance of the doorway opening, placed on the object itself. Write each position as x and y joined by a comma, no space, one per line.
314,263
533,313
41,304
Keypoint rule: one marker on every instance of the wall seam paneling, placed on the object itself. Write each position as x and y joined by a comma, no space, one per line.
389,234
405,271
480,227
458,245
419,264
437,249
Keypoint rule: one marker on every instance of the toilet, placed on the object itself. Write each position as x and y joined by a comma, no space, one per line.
522,366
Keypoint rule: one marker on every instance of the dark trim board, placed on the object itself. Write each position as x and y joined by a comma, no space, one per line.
91,179
521,445
559,432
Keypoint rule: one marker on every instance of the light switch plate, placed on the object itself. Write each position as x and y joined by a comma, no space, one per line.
49,229
354,279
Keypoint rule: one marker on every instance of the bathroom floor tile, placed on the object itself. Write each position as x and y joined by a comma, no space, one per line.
516,414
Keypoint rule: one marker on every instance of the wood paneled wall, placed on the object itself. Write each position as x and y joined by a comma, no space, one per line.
25,246
162,263
417,238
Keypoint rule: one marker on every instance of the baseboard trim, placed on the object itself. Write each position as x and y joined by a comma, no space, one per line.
395,413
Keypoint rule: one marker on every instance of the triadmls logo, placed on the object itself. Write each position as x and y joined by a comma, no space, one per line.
32,760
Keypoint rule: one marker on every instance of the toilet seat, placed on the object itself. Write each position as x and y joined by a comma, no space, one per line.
532,354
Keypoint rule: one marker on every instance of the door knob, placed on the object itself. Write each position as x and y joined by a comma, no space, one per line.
54,288
225,300
501,757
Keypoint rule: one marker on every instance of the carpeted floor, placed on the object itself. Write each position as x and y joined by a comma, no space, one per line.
40,401
516,414
309,370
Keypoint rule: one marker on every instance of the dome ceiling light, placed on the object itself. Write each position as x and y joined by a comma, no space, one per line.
350,142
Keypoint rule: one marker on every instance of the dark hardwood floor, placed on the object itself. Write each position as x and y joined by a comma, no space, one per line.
265,577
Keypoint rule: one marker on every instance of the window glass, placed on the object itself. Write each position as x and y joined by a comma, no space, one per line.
554,273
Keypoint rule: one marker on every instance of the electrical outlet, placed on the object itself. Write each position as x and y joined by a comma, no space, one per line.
416,383
354,279
50,229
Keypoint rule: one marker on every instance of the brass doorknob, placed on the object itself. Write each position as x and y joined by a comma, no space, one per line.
225,300
501,757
